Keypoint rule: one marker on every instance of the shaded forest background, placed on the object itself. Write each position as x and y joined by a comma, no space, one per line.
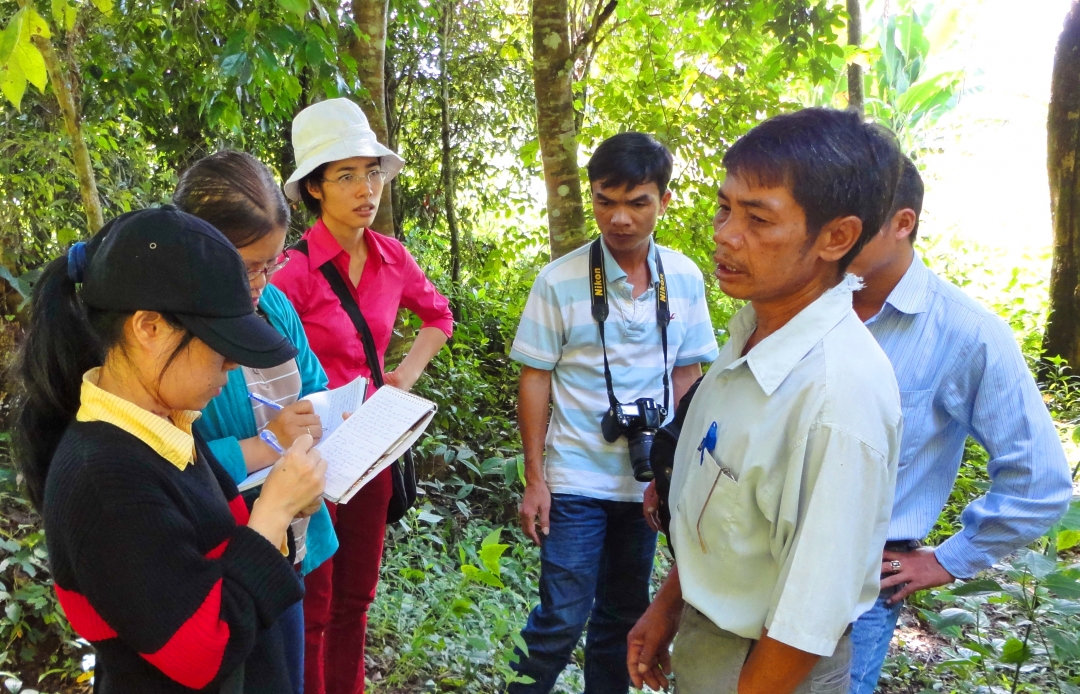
494,106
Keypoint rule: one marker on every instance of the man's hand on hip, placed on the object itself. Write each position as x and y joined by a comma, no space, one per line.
916,570
535,505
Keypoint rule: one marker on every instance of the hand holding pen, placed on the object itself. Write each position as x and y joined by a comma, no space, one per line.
289,422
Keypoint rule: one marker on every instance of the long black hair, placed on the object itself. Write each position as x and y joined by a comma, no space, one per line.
65,339
236,193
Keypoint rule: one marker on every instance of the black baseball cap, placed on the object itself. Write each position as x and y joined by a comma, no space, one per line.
165,260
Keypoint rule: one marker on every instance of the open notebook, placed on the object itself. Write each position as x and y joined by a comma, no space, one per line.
377,434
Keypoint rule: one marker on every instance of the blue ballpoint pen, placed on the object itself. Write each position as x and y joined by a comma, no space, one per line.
263,401
271,440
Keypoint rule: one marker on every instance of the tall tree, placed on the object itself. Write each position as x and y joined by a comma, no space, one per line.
554,58
447,149
854,70
1063,149
19,63
369,51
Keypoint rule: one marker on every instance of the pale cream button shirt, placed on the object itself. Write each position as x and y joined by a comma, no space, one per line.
782,524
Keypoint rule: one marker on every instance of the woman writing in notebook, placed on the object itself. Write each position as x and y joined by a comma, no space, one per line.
157,560
237,194
340,175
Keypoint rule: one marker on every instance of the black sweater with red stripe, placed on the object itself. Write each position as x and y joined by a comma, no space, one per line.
157,568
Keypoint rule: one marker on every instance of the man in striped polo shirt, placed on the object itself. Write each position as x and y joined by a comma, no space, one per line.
961,374
596,548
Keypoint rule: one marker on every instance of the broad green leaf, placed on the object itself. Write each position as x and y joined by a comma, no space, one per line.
1065,643
64,13
13,82
1039,565
104,6
489,555
298,7
33,64
519,642
979,587
1062,586
1067,539
11,35
1071,519
1015,652
492,538
35,25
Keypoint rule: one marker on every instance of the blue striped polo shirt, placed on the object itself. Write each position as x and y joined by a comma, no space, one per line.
557,333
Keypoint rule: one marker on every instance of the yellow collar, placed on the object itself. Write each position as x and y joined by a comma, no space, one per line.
172,440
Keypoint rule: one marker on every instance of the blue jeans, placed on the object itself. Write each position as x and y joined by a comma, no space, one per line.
595,566
291,623
870,638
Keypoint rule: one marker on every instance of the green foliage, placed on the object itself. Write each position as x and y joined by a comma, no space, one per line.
35,639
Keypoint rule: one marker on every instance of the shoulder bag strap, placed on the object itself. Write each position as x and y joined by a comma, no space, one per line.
345,298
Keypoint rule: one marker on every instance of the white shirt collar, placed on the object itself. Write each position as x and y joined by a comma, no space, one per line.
772,359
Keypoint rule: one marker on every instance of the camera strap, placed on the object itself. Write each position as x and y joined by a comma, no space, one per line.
598,278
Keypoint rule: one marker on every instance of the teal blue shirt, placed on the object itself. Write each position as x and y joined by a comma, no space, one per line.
228,419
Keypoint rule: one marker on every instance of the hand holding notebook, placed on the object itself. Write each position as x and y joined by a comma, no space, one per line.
374,436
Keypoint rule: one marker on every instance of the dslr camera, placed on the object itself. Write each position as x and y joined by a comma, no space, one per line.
638,422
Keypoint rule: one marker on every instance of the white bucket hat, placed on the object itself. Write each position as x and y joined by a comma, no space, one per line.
333,130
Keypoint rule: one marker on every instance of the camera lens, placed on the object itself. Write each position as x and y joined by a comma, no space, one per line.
641,442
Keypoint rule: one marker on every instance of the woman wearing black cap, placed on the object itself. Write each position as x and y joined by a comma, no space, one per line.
156,559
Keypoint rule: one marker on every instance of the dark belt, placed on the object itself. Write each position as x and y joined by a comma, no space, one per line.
902,545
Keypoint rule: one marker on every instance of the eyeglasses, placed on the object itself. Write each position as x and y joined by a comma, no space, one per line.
267,270
350,183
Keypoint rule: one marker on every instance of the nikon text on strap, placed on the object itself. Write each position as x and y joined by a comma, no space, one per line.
598,285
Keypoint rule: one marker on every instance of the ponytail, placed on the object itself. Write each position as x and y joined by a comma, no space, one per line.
61,344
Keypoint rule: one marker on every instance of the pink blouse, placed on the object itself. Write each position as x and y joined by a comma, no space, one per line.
391,280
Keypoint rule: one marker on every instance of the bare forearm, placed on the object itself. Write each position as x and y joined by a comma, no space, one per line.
670,594
774,667
534,396
682,377
427,344
257,454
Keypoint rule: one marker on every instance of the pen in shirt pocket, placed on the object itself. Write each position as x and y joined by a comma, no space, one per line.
707,442
264,401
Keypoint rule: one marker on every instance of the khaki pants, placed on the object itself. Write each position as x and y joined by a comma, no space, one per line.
707,660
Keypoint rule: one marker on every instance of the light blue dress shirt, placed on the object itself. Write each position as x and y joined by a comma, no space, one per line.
961,374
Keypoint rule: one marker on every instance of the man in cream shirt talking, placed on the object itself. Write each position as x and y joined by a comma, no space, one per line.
786,464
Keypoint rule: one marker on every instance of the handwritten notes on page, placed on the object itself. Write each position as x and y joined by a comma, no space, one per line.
376,434
330,405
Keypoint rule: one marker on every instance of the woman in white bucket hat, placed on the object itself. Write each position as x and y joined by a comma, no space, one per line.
340,173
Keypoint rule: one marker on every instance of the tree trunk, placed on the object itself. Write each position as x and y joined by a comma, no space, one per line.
854,70
1063,148
553,81
370,56
447,161
393,136
58,77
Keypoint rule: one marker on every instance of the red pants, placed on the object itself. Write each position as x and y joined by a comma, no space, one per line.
340,591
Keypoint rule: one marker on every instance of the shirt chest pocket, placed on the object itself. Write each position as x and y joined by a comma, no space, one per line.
712,502
916,406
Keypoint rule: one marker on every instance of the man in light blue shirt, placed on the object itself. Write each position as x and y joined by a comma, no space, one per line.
597,551
960,374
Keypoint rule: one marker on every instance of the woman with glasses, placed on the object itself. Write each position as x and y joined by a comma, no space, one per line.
340,174
237,194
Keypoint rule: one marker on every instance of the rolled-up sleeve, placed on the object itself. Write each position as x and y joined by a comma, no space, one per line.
540,335
828,539
995,397
420,296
